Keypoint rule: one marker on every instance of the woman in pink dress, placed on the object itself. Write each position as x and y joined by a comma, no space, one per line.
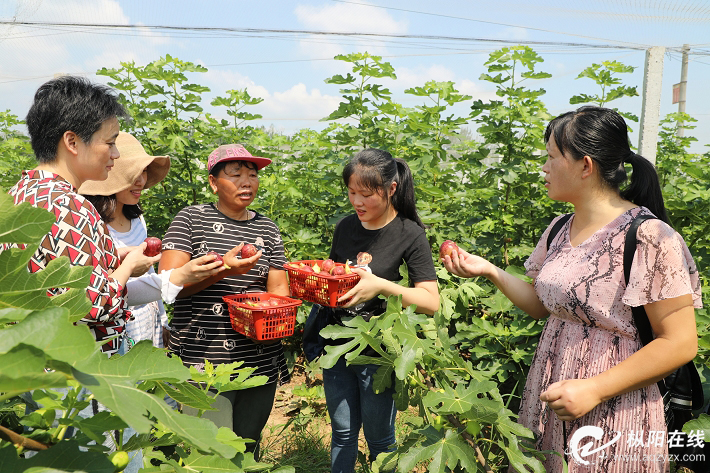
591,393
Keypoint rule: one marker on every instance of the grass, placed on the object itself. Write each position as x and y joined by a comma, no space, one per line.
300,443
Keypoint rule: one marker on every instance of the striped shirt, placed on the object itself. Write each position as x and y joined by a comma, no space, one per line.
201,325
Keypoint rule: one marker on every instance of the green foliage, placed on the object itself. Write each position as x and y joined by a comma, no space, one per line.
449,391
15,150
605,75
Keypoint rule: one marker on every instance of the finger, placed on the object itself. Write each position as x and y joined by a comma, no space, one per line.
549,395
204,259
347,295
558,406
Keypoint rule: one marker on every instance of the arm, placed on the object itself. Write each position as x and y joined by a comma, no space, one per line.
676,343
520,293
277,282
173,259
87,243
425,294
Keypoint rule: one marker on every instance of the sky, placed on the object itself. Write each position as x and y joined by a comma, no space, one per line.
285,56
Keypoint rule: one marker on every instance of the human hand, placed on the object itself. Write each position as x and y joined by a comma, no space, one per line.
122,252
368,287
166,337
466,265
572,398
196,270
137,261
240,265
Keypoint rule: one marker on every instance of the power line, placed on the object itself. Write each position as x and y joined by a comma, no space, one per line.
486,22
257,31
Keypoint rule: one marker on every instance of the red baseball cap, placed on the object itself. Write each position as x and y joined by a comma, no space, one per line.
234,152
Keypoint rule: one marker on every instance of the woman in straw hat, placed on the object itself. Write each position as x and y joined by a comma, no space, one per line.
117,201
201,324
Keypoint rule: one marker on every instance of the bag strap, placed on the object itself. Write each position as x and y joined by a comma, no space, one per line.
643,325
640,318
556,228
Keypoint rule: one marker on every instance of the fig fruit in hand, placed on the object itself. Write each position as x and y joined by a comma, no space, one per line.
153,246
218,257
249,250
447,248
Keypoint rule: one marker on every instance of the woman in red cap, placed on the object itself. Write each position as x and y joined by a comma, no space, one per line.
201,328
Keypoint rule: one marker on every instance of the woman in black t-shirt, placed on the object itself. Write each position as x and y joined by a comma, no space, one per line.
386,226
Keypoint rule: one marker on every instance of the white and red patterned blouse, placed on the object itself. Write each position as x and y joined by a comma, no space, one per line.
81,235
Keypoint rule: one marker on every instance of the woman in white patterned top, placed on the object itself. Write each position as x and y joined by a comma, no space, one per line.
117,201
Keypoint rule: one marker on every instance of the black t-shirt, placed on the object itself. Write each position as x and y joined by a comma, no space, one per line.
401,240
201,325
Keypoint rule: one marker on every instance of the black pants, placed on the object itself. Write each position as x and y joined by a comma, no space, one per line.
245,412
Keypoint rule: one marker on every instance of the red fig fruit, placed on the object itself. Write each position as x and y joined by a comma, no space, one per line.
249,250
328,265
218,257
447,248
306,268
338,271
153,246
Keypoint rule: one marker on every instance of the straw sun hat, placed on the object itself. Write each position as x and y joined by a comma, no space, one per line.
128,168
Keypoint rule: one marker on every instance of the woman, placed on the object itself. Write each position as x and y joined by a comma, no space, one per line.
117,201
201,325
590,368
386,226
73,125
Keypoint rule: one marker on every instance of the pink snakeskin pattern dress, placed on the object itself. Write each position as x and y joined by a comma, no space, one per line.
590,329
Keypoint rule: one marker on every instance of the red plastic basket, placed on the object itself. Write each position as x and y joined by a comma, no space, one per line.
321,288
262,323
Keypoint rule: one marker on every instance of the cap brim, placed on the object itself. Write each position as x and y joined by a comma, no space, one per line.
260,162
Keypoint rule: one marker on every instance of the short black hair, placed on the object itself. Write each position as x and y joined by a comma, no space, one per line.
69,103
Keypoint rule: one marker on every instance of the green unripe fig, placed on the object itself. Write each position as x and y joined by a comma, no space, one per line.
473,428
438,422
120,460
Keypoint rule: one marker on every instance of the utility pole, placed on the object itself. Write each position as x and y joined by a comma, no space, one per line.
682,89
651,104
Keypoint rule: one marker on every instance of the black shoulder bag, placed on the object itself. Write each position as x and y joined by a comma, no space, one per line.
682,390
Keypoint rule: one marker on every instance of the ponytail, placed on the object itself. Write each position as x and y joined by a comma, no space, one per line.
403,200
644,188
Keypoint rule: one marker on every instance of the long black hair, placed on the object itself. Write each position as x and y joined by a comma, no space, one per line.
377,170
601,134
106,206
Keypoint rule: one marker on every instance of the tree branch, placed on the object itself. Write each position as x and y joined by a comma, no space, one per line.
21,440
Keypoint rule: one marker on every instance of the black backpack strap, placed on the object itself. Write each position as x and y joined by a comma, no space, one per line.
556,228
688,383
640,318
